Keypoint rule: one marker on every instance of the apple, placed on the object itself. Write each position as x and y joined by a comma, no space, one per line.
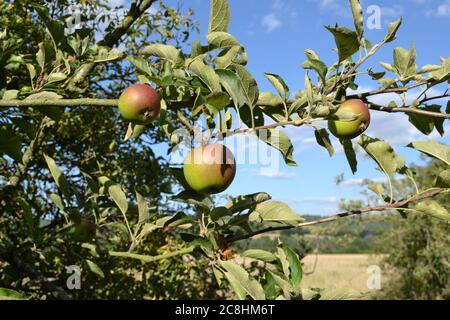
351,129
209,168
140,104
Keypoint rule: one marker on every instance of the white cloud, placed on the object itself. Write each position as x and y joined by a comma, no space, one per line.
274,174
330,200
359,182
271,22
443,10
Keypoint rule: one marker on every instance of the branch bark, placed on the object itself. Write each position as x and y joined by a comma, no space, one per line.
113,37
389,206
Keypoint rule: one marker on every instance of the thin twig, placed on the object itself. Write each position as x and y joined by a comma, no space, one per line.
388,206
147,259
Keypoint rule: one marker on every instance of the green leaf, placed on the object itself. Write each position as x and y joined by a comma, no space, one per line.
206,74
8,294
10,95
59,177
219,212
318,66
143,209
44,95
247,84
443,179
142,65
258,254
95,268
242,203
350,154
54,27
10,143
40,56
229,56
377,188
279,85
269,99
191,197
221,39
433,149
231,83
241,281
404,61
219,100
56,77
275,211
392,30
219,17
323,139
309,90
432,208
357,13
279,140
425,123
116,193
346,41
295,266
166,52
383,154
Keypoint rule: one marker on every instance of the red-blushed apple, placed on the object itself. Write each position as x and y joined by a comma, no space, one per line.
140,104
209,168
351,129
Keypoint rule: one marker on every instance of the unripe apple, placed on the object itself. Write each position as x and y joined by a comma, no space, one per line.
209,168
139,103
351,129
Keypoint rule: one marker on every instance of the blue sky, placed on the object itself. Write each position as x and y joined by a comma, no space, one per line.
275,34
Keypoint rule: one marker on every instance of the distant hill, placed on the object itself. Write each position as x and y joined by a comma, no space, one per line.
351,235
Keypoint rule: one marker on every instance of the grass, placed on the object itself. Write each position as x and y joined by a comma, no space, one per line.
339,270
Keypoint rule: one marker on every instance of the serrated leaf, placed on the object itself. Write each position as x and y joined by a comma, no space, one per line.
425,123
143,209
206,74
323,139
241,203
44,95
166,52
346,41
383,154
433,149
350,154
443,179
259,254
219,17
8,294
295,266
40,56
275,211
392,30
231,83
220,39
432,208
279,140
191,197
357,13
59,177
318,66
56,77
241,281
142,65
115,192
377,188
279,85
269,99
95,268
247,84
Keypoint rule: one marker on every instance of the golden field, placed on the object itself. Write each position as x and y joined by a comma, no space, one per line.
339,270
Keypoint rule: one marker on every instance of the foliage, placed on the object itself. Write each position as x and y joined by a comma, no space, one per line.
78,188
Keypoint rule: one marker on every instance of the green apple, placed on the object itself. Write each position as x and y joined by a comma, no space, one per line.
209,168
140,104
351,129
